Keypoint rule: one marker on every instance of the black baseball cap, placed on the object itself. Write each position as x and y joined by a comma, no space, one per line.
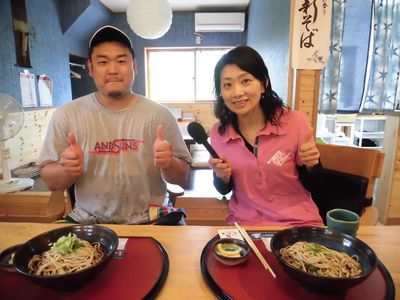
110,33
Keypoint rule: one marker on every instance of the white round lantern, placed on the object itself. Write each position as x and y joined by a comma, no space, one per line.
149,19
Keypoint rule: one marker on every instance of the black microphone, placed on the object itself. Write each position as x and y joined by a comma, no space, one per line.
199,135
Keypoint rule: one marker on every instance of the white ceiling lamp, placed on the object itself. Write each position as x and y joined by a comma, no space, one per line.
149,19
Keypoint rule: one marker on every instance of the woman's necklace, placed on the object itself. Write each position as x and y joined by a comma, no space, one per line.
251,134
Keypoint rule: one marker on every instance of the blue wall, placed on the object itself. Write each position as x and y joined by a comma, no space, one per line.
48,50
268,32
57,28
8,80
86,20
80,31
69,11
60,28
180,34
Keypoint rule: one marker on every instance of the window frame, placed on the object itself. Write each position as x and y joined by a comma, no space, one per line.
148,50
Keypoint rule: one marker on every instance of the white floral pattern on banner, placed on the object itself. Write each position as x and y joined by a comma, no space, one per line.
329,88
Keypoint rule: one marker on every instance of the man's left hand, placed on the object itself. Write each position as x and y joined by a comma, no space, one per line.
162,150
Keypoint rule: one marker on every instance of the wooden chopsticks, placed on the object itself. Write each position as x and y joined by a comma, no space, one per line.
255,249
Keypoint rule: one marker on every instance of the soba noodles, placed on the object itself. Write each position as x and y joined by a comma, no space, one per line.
317,259
69,254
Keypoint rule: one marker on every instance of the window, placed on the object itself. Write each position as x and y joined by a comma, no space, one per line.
181,74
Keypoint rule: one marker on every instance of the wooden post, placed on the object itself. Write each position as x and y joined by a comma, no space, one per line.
303,85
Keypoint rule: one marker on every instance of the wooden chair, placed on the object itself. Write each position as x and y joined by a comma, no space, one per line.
363,162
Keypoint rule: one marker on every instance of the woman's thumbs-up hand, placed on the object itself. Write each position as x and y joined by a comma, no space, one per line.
162,150
71,159
308,151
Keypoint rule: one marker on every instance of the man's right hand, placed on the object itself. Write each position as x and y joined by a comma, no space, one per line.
222,168
71,159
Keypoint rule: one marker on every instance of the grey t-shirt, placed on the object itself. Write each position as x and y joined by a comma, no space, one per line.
120,179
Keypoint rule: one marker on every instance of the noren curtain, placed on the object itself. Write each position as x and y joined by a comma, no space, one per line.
329,87
382,92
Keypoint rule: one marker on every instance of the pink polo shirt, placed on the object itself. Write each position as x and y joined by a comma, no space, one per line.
267,189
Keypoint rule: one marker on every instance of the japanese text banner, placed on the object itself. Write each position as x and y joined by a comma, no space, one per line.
311,33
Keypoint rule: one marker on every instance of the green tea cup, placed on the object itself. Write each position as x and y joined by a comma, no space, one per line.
343,220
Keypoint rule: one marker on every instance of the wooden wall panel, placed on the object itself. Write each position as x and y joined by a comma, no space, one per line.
397,160
393,217
25,146
308,112
202,112
306,94
306,98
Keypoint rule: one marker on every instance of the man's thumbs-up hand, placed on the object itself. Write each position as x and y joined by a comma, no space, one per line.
162,150
71,159
308,152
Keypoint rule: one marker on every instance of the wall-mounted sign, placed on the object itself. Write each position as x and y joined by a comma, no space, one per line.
28,89
45,86
311,33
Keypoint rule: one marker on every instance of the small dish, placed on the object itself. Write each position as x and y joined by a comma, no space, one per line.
230,251
7,256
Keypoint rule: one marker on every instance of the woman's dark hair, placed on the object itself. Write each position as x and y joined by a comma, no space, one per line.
247,59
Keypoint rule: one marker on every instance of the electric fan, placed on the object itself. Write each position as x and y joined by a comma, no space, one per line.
11,121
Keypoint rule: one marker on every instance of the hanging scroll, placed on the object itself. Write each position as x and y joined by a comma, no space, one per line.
311,33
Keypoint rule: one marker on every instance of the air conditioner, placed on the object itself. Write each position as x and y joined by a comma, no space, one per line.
219,21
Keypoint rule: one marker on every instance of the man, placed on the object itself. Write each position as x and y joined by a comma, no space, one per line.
114,145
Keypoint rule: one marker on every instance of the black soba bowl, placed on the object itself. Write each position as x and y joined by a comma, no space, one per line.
7,258
72,281
331,239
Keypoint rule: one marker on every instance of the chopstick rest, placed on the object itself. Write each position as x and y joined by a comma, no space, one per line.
255,249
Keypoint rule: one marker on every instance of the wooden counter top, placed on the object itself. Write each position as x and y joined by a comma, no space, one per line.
184,280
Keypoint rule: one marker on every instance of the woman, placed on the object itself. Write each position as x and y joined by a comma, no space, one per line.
261,143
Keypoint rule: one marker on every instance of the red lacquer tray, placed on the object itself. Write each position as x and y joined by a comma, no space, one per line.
139,275
251,281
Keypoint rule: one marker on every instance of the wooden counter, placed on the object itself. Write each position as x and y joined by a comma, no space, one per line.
185,280
32,206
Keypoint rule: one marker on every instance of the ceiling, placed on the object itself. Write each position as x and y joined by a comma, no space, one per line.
119,6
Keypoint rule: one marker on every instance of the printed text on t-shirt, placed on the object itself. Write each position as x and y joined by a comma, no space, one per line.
115,147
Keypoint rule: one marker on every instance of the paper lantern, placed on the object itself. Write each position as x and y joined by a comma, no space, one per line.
149,19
